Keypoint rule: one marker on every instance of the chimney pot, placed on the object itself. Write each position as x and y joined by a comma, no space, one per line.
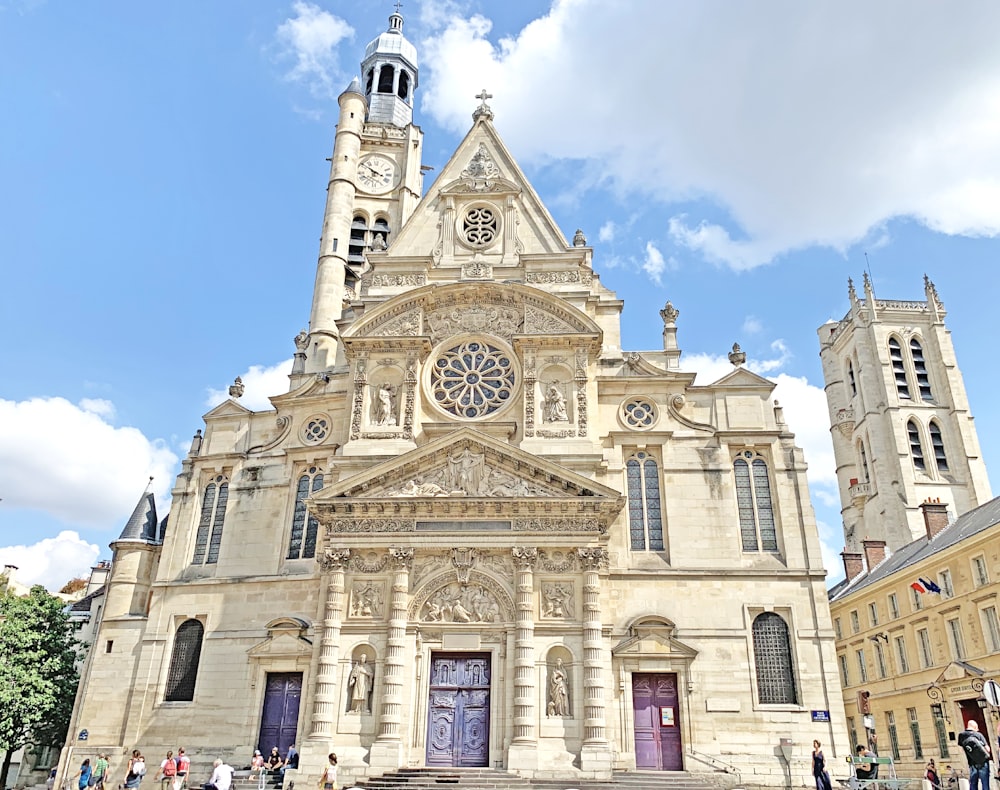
874,552
854,563
935,516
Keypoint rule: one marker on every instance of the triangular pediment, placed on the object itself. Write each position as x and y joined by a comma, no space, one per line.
741,378
286,638
228,408
654,644
959,670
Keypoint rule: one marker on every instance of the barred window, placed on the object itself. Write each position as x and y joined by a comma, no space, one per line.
184,662
898,368
918,748
753,499
941,731
302,542
916,448
937,444
920,368
890,724
772,652
644,513
213,517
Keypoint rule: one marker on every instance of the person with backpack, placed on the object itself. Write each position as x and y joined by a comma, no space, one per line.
977,752
136,770
167,772
183,767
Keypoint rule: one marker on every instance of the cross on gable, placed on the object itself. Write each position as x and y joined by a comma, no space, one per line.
398,6
483,96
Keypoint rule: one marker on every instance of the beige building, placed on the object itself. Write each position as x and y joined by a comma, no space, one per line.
475,531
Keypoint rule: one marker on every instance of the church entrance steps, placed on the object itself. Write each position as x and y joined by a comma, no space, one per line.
445,778
633,780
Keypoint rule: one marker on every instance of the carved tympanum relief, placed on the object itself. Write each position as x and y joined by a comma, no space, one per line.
467,474
461,603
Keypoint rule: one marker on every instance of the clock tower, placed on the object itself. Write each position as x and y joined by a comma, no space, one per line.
375,183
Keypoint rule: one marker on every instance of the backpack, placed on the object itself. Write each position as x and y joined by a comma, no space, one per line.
170,767
139,767
183,763
974,745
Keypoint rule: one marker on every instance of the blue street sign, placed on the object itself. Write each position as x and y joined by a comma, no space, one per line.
821,715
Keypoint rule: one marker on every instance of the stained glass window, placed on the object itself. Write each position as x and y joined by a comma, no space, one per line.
753,501
208,539
472,379
773,658
302,542
644,512
184,662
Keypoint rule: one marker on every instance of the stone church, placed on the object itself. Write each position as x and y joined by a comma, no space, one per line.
475,531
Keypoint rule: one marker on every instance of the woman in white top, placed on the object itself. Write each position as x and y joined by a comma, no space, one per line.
328,781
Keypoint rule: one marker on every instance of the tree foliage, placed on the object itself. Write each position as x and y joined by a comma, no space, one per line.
73,585
38,675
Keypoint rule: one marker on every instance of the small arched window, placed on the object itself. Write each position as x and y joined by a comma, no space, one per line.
920,369
898,368
916,448
404,85
864,461
369,79
184,662
386,76
772,652
302,543
937,443
753,500
208,539
359,240
644,514
851,381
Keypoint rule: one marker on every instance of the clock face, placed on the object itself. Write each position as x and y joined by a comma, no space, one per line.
376,174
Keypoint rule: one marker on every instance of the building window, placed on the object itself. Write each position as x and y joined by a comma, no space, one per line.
473,379
924,645
893,606
890,725
991,628
918,749
845,675
753,498
920,368
880,664
644,515
941,731
403,91
916,449
862,666
851,381
213,517
184,662
954,628
302,542
979,571
937,444
902,664
838,632
855,622
918,602
109,645
944,582
873,613
898,368
853,732
386,76
772,653
864,462
480,226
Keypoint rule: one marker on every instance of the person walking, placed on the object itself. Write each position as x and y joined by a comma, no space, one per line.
183,767
977,752
328,779
136,770
167,772
100,771
85,774
820,775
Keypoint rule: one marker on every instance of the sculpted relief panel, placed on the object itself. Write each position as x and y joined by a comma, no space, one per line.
482,599
467,474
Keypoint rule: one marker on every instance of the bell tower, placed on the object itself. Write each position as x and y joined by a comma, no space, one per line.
901,425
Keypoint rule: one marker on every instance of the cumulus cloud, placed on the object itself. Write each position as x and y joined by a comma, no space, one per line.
68,461
309,39
764,366
51,562
654,264
607,232
802,126
752,325
260,383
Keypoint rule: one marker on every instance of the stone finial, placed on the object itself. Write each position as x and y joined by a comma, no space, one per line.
933,300
737,356
851,293
483,110
195,444
237,388
579,240
302,340
669,313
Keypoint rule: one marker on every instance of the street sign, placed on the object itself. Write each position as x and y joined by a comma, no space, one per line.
821,715
991,691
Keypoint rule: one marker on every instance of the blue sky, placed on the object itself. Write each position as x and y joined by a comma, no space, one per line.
163,171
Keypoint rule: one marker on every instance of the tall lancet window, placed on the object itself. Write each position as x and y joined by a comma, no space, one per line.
302,542
864,461
772,652
184,660
852,382
404,85
916,448
386,76
213,518
920,368
644,514
937,443
898,368
753,500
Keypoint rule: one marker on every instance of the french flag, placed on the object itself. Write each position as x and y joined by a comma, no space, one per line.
919,587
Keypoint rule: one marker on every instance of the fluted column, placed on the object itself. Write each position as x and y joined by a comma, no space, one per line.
390,719
524,646
333,562
593,561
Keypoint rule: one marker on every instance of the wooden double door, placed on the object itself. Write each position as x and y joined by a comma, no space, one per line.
458,719
280,717
656,711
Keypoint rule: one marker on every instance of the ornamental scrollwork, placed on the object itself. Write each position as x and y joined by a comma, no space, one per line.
371,525
334,560
593,558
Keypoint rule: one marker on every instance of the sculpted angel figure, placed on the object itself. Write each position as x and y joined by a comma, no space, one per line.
555,404
467,471
385,407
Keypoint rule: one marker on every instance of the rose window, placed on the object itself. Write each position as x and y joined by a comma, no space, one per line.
479,228
315,429
639,413
472,379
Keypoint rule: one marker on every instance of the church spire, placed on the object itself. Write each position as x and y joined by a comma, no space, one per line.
389,72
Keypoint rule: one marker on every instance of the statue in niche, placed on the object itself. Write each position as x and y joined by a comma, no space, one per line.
360,684
558,691
555,404
385,406
378,243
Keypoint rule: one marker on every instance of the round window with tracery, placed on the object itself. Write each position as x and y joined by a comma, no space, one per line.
639,413
472,379
480,226
315,429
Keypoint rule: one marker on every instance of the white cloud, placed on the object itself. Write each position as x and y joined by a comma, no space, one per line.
52,561
69,462
99,406
805,127
764,366
752,325
310,39
260,383
607,232
654,263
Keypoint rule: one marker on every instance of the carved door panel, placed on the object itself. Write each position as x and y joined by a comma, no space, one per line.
656,712
280,716
458,721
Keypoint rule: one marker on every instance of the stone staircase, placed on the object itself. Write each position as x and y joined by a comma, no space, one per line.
490,779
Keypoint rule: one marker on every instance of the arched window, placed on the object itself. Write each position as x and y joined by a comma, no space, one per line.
381,227
369,79
851,381
864,461
920,368
753,499
404,85
302,543
359,240
898,368
184,662
386,76
772,653
916,448
644,518
937,442
213,517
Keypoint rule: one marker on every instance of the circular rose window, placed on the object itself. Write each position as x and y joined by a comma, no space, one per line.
472,379
639,413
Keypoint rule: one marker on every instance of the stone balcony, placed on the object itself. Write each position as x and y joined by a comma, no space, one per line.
844,420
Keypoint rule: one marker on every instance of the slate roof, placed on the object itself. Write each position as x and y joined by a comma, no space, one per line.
142,525
966,526
83,605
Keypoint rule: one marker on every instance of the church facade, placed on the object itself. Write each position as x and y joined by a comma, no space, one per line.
475,531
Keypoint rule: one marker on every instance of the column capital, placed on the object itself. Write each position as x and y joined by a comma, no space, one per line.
525,557
400,558
593,559
334,560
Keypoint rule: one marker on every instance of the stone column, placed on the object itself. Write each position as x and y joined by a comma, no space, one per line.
595,755
333,562
523,753
387,752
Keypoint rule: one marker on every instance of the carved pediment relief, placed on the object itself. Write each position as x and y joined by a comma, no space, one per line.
481,599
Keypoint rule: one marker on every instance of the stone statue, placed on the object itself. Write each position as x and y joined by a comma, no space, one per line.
360,684
385,407
558,691
555,405
556,601
467,470
378,243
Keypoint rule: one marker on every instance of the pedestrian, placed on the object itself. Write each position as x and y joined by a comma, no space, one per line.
932,775
100,771
85,774
820,774
136,770
51,780
328,779
977,752
951,777
183,768
222,777
167,772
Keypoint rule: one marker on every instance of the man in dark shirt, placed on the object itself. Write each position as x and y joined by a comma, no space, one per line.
977,752
866,770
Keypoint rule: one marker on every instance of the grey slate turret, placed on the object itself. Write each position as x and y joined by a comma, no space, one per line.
142,524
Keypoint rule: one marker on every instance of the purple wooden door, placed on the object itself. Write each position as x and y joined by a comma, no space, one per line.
458,718
280,717
657,722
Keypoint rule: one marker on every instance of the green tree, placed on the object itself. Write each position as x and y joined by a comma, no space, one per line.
38,675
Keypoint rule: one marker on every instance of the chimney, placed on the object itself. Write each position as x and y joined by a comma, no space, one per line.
874,552
853,563
935,516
